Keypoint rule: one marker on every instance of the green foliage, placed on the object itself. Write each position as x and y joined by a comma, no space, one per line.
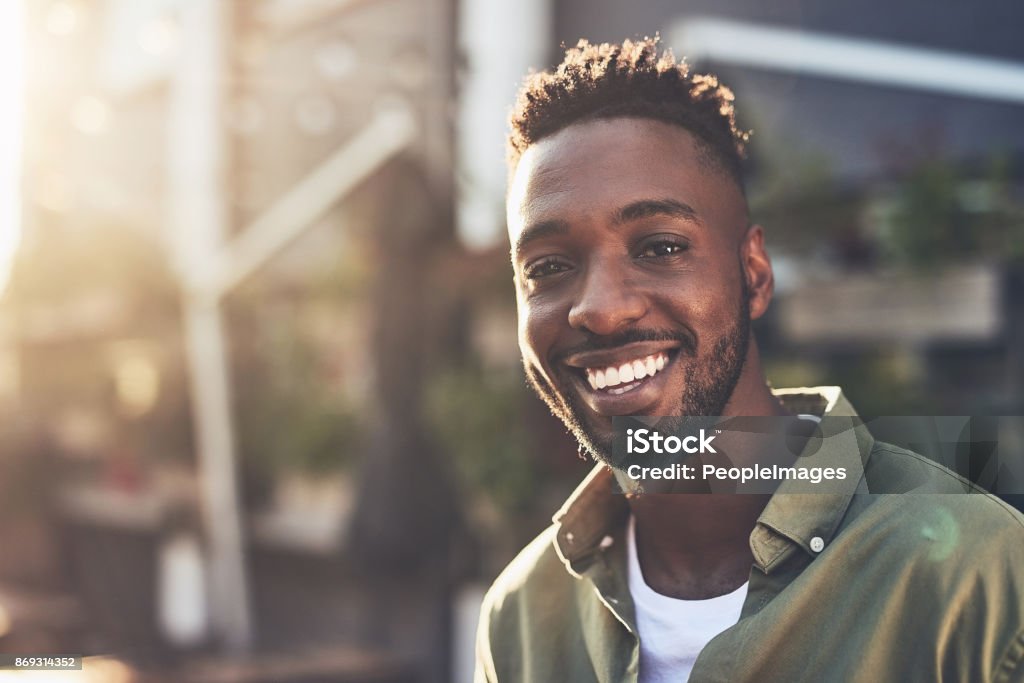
288,415
282,432
940,217
797,197
883,382
928,221
480,419
936,214
878,381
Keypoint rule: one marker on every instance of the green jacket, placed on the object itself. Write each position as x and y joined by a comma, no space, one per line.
921,586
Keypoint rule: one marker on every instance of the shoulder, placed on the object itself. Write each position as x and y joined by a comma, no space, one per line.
945,536
524,610
892,469
921,497
536,573
951,554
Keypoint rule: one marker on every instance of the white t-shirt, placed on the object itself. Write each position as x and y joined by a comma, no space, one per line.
673,632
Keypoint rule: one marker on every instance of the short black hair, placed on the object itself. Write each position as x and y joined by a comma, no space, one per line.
629,80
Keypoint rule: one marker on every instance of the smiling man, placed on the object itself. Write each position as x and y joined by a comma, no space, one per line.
638,273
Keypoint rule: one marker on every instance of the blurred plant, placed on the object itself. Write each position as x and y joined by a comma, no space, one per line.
937,212
787,173
289,418
884,381
481,421
878,381
928,223
940,216
999,211
796,195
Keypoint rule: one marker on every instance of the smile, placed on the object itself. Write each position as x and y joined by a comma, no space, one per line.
625,380
623,377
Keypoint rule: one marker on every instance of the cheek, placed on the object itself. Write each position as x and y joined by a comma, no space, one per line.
538,330
705,304
685,298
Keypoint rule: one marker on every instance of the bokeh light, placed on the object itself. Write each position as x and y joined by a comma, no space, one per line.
90,114
11,104
159,37
62,18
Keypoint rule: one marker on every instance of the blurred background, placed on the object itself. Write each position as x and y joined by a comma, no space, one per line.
262,415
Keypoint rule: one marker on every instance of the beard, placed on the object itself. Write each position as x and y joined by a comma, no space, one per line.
709,379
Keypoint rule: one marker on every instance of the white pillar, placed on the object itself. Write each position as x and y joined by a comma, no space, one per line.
501,42
198,216
12,64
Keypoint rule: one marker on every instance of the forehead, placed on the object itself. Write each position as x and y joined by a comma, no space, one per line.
598,166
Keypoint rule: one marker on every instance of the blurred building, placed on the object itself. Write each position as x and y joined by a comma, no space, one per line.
886,165
314,217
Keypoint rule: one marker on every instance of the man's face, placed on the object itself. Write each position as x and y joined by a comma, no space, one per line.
632,259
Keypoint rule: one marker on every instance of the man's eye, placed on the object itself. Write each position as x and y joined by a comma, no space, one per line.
544,268
662,247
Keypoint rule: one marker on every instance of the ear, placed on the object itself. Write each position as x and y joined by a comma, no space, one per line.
757,268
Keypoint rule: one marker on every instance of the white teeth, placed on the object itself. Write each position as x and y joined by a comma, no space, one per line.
625,372
639,371
601,378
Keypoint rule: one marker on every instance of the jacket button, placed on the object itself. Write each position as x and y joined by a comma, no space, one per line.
817,544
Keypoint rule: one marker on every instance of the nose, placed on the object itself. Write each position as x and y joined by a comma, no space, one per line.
606,302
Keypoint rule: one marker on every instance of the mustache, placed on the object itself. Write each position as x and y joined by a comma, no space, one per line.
687,342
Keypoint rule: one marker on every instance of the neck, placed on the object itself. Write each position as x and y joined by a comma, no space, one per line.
697,546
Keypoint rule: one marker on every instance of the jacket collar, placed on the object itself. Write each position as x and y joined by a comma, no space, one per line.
592,518
795,517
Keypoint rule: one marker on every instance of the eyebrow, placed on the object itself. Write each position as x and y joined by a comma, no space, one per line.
650,208
536,231
634,211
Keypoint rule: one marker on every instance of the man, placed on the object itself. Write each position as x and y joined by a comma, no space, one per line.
637,275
